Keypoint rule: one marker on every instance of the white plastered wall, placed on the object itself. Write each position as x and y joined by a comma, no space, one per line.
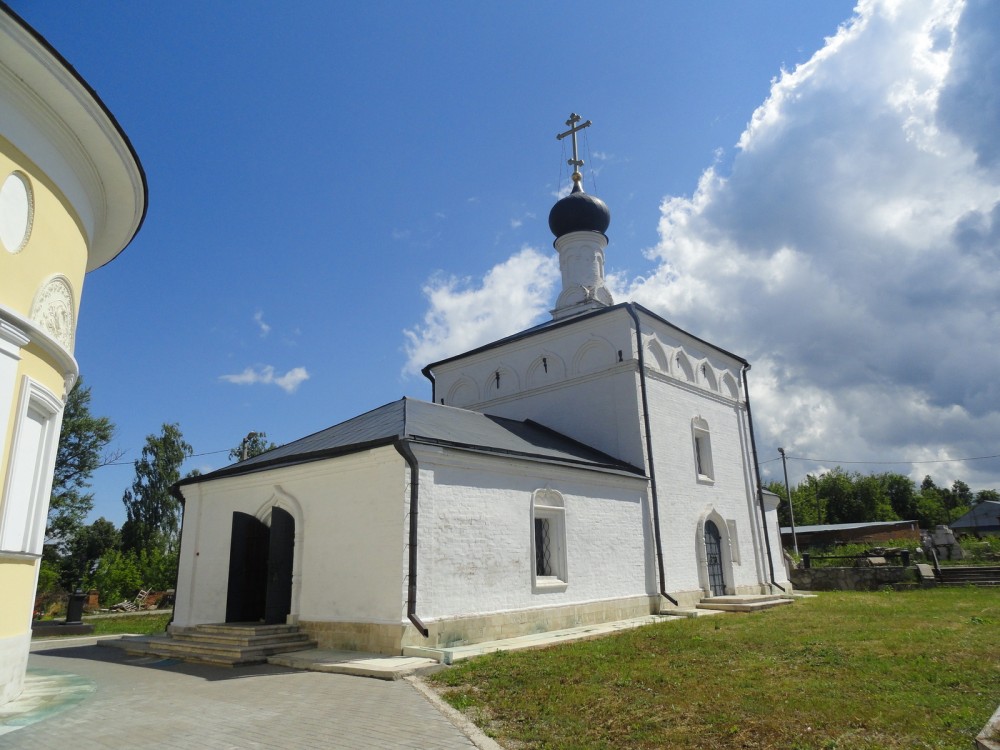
349,550
571,379
685,500
475,542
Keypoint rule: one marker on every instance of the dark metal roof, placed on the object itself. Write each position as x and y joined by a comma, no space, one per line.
426,423
985,515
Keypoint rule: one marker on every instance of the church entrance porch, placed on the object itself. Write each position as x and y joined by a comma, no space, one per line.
260,568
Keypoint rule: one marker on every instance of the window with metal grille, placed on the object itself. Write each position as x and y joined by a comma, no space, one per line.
543,548
548,540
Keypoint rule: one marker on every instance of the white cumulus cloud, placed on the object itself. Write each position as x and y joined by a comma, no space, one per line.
265,374
464,314
851,252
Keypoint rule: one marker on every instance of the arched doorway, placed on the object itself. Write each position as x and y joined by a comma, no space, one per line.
713,556
260,568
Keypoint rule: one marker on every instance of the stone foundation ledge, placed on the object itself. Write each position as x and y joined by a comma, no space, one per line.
390,639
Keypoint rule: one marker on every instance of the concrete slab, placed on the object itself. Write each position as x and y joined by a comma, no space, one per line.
687,613
452,654
715,605
354,663
989,738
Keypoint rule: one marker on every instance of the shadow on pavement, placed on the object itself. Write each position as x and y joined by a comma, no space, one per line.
201,671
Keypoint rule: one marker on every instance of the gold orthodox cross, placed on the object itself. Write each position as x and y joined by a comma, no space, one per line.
575,162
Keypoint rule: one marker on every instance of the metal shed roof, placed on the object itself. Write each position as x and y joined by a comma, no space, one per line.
431,424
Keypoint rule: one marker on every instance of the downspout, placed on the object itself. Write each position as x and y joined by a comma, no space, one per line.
403,447
756,471
649,455
426,371
176,492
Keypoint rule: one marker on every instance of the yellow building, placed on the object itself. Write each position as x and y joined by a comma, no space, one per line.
72,196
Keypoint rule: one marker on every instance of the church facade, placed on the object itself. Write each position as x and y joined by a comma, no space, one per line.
597,467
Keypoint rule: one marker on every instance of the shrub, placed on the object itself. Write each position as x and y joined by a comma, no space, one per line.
117,577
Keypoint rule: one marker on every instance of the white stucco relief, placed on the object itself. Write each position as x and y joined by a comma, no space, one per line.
54,311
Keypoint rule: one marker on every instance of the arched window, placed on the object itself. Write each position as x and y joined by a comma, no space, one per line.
548,540
702,444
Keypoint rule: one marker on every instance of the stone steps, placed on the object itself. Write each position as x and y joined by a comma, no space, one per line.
976,575
230,645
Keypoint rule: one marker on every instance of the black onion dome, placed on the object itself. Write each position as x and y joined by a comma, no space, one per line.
579,212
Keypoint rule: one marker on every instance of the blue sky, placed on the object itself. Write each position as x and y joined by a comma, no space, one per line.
341,192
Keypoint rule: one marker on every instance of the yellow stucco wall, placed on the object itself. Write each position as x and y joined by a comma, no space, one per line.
57,243
56,246
17,581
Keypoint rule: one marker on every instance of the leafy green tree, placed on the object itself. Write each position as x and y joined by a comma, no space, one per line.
960,499
871,498
153,513
902,495
85,550
117,577
81,451
837,491
932,504
48,577
253,444
986,495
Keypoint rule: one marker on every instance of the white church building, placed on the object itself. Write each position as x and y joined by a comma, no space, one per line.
597,467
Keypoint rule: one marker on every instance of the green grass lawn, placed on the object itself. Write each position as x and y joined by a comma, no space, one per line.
916,669
137,624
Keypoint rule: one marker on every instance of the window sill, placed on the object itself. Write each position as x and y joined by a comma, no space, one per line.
548,585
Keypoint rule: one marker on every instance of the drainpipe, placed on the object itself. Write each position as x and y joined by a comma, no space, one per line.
403,447
756,471
176,492
426,371
649,454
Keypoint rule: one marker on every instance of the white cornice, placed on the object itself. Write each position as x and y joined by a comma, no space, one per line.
48,113
663,377
68,368
529,340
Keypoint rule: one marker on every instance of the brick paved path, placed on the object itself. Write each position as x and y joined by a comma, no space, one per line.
153,703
